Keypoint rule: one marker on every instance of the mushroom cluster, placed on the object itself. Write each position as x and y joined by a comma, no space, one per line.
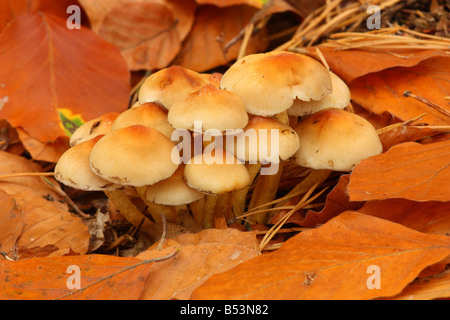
193,136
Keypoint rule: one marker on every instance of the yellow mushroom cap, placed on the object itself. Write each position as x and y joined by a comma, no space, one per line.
173,191
148,114
214,108
73,169
217,172
269,82
255,143
92,128
134,156
335,139
338,99
170,85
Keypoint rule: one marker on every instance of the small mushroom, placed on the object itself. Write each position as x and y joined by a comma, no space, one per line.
338,99
217,174
336,139
148,114
170,85
95,127
215,108
135,156
73,169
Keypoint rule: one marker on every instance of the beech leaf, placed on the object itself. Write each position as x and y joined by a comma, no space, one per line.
334,261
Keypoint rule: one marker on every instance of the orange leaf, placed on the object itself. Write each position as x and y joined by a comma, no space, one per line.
409,170
384,91
227,3
146,34
378,80
407,134
54,68
334,261
213,29
102,277
46,226
202,254
427,217
434,287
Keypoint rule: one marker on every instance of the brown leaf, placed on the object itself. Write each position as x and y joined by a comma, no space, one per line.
202,254
409,170
407,134
102,278
71,70
227,3
214,27
378,79
428,217
434,287
145,33
46,226
333,261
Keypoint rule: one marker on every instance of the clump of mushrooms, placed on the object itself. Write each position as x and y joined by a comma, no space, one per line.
291,103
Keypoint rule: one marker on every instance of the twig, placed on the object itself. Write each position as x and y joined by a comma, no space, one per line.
427,102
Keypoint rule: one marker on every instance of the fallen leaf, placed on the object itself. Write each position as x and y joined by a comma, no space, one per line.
409,170
40,151
334,261
9,216
384,91
145,33
46,225
408,134
378,79
9,9
214,27
228,3
66,69
427,217
202,254
437,286
102,277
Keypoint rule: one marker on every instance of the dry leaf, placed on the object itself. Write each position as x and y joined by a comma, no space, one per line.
428,217
227,3
378,79
46,226
67,71
214,27
334,261
437,286
102,277
145,33
409,170
202,254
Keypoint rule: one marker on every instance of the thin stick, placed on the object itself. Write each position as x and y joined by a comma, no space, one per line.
427,102
27,174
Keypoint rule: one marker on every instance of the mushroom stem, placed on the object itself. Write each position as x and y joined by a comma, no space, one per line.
155,209
208,211
240,196
127,208
265,191
266,186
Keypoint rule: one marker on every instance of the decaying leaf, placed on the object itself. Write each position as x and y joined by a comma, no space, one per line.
201,255
409,170
46,227
66,69
334,261
100,277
